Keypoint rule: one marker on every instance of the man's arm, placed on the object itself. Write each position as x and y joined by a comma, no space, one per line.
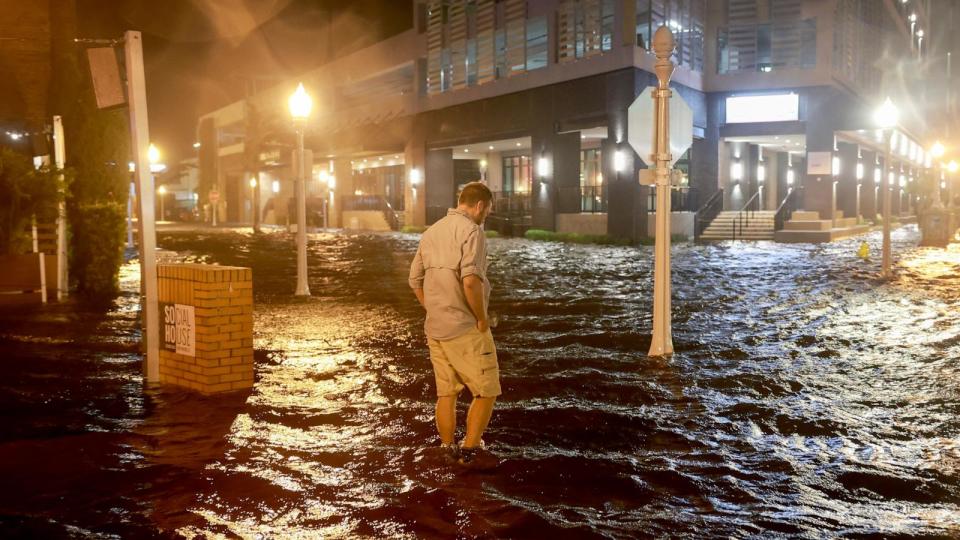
419,293
473,291
417,274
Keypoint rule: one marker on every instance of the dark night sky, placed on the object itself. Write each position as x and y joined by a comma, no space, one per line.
200,53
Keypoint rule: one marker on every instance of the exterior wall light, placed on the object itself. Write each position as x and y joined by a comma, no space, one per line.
761,173
877,176
835,166
253,182
736,171
790,176
276,186
415,177
619,161
543,168
859,170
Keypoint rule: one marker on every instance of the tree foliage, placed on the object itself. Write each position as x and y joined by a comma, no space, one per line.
97,146
25,193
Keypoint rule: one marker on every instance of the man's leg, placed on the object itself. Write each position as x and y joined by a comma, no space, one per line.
477,419
447,418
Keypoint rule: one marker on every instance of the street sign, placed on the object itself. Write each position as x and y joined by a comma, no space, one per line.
214,196
641,122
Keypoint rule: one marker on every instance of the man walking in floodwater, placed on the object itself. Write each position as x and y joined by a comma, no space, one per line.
449,277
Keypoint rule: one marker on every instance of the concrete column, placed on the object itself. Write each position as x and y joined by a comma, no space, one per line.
750,175
415,200
343,177
847,179
895,192
818,191
626,198
868,200
543,195
771,186
439,191
495,171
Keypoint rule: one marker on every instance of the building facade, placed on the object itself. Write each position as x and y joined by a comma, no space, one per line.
531,97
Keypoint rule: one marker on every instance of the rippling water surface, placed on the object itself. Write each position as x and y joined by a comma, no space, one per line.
805,398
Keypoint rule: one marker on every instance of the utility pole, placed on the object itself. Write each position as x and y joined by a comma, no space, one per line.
63,282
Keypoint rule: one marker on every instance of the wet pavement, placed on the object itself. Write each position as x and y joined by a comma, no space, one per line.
806,399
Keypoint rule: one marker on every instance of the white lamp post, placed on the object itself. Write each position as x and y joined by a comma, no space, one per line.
886,117
300,105
162,190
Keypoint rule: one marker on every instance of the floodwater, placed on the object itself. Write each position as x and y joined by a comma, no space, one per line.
806,398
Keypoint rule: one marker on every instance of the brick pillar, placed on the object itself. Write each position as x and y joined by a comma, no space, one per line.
215,354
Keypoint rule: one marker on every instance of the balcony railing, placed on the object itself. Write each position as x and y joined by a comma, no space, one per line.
772,46
511,203
682,199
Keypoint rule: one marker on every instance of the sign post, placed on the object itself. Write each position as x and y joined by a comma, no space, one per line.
140,135
660,133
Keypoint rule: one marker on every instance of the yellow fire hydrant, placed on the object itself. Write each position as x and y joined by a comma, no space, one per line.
864,251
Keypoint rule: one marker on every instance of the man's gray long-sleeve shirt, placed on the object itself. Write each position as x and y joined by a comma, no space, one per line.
451,249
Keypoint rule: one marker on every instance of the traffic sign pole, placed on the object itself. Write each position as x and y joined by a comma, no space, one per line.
662,342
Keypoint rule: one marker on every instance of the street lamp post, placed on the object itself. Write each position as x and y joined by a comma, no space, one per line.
886,118
300,105
162,190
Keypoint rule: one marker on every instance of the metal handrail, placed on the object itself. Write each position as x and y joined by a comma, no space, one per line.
785,210
707,213
744,212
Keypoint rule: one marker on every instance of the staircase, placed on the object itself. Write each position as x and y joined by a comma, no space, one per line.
727,226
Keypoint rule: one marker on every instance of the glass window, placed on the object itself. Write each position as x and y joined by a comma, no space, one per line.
764,56
471,62
517,174
500,54
590,170
606,25
536,43
446,70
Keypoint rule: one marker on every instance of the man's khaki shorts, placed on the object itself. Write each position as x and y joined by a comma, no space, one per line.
469,360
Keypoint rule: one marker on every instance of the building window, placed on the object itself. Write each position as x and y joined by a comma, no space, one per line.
517,174
783,42
585,28
593,197
685,18
536,43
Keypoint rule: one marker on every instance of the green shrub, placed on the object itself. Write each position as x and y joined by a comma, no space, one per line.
492,234
98,230
413,229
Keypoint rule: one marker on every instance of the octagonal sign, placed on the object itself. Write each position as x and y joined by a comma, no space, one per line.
641,122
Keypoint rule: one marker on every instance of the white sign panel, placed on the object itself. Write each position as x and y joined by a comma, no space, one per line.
641,123
820,163
179,329
769,108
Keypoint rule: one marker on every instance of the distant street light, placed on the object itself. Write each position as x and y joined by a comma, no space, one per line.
886,117
300,106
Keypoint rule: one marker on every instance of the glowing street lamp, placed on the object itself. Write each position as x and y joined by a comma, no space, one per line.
300,106
886,117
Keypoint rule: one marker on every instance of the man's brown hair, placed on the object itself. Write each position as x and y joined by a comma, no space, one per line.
473,192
